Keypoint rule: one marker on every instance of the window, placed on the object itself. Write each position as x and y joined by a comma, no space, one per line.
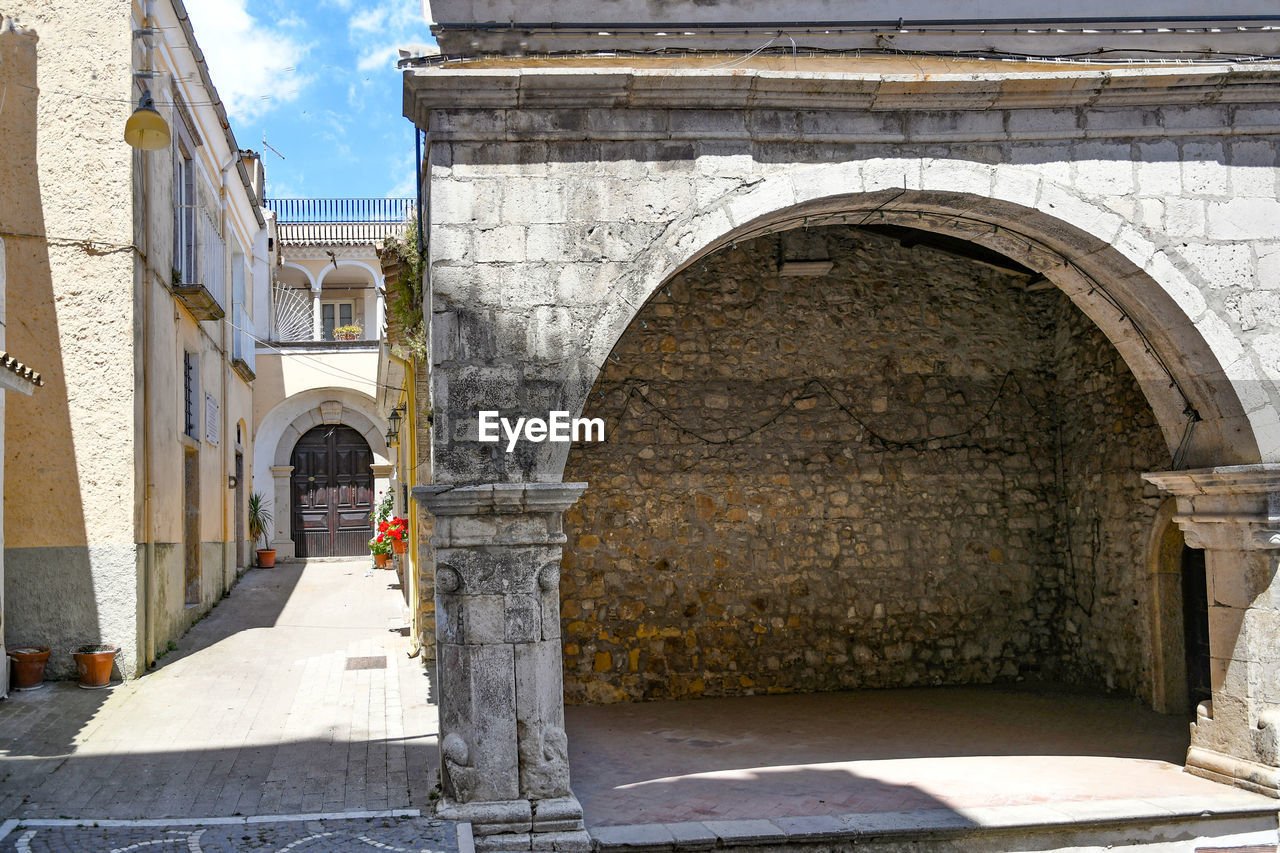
190,390
334,314
184,215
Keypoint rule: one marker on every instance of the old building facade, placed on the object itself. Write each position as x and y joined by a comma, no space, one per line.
322,455
914,371
136,270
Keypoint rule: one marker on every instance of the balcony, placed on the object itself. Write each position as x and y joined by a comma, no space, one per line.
242,345
200,268
339,221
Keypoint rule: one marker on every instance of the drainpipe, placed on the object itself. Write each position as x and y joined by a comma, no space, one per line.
148,543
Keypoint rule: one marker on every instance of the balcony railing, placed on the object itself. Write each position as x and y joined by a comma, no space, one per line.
311,221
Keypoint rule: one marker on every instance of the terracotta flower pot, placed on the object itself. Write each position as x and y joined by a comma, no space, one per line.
28,666
381,560
266,558
93,664
399,545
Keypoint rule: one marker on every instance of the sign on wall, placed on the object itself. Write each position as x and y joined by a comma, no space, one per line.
210,418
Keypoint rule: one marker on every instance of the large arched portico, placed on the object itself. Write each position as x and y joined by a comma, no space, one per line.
730,166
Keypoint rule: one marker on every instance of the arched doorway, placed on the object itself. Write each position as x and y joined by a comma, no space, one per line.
332,491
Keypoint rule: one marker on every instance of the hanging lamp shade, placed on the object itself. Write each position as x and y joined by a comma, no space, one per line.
146,129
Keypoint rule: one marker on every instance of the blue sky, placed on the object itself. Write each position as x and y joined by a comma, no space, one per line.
318,78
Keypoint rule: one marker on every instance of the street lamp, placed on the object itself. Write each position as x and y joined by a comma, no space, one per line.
146,129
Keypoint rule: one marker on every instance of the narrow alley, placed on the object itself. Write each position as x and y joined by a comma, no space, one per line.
296,696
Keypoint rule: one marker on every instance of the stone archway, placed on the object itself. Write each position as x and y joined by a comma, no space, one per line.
525,357
279,431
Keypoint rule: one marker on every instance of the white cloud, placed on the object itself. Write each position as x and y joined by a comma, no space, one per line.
370,20
253,65
378,58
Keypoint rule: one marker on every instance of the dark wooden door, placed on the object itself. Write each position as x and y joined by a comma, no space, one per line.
1195,624
332,493
191,526
240,511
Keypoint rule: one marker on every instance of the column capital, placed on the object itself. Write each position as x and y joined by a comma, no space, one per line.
281,470
1229,508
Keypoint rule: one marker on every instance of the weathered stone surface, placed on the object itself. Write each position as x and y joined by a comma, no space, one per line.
745,533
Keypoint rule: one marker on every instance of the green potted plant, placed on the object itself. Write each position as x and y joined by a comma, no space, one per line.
259,524
380,547
349,332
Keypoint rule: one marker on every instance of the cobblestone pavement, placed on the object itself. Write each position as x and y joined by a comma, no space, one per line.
398,834
295,696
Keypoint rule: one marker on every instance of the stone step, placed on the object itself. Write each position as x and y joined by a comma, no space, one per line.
1247,824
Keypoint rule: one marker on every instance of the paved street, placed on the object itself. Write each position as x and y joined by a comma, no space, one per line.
295,696
397,834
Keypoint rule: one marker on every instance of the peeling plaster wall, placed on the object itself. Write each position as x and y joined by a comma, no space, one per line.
804,554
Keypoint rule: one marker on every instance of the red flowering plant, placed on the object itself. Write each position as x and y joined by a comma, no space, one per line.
380,544
396,528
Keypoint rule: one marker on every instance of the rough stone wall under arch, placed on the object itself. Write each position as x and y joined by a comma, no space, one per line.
807,555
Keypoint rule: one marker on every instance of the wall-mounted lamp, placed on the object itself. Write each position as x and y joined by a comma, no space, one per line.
146,129
392,438
232,482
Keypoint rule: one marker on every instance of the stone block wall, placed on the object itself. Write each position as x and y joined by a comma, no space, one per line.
857,480
1109,437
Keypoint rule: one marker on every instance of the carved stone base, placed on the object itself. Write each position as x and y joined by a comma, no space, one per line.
1229,770
552,824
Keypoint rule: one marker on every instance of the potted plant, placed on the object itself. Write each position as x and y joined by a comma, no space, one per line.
349,332
28,663
259,524
395,530
380,547
93,664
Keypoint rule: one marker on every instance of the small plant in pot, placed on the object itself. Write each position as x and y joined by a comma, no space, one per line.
27,666
395,530
349,332
380,547
259,523
93,664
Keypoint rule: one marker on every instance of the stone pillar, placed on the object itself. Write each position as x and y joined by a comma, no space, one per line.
282,512
1233,513
496,551
382,473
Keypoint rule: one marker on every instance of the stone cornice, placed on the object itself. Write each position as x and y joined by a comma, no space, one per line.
1227,480
448,88
1229,508
498,498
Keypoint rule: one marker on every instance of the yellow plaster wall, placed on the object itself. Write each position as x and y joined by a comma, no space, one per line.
70,472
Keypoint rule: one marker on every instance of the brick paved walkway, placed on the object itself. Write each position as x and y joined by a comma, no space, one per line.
296,695
883,751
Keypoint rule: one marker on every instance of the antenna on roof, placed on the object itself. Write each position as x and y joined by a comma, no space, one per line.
270,147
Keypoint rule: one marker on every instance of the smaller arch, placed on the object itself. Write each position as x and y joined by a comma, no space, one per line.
312,418
311,279
375,275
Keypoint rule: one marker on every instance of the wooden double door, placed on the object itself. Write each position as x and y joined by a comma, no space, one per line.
332,487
